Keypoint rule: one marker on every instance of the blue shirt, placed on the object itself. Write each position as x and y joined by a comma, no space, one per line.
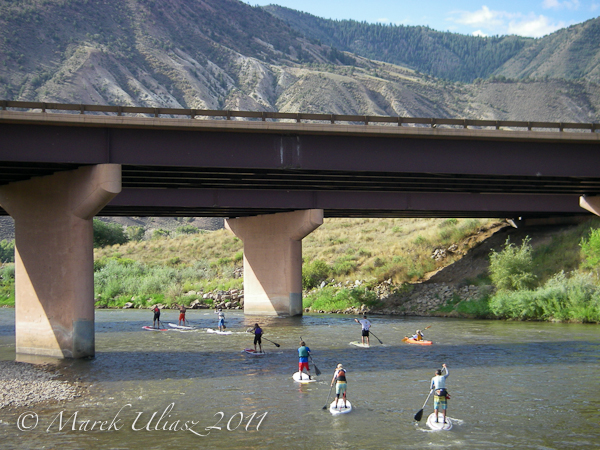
303,353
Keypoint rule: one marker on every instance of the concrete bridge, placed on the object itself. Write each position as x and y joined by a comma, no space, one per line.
273,175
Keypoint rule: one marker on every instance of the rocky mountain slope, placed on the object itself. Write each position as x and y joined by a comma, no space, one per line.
225,54
571,53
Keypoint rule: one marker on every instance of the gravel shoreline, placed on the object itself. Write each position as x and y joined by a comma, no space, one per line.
23,384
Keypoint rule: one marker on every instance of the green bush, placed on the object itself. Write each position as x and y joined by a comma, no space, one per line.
108,234
188,229
135,233
160,233
314,273
512,268
575,299
7,285
7,251
337,299
590,248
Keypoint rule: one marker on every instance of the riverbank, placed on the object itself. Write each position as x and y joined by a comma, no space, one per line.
23,384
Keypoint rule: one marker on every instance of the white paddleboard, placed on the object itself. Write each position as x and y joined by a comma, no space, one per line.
302,378
439,425
360,344
147,328
180,327
340,407
210,330
252,352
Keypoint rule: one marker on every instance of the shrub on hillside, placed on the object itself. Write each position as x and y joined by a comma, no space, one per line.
108,234
7,251
135,233
160,233
314,273
338,299
187,229
590,248
512,268
575,298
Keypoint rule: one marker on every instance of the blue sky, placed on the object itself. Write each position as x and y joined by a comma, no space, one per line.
534,18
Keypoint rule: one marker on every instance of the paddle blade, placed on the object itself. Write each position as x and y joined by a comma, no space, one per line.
317,371
404,339
276,345
419,415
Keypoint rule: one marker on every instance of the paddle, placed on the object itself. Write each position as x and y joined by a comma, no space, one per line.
276,344
327,401
376,337
317,371
419,414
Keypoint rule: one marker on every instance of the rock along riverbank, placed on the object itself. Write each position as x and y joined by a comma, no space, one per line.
23,384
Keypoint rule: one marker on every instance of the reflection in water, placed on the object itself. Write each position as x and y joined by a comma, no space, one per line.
519,385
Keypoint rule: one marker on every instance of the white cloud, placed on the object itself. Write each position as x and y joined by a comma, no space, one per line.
594,6
484,16
487,22
556,4
383,20
533,26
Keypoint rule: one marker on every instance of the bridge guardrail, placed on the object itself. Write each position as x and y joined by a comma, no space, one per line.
44,107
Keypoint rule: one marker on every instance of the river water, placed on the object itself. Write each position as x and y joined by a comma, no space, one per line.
513,385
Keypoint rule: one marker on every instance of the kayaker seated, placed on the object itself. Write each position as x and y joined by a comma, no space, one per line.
418,336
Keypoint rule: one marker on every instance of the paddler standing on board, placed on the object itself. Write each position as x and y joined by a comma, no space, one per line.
156,311
365,328
440,394
339,378
303,354
182,310
221,317
258,332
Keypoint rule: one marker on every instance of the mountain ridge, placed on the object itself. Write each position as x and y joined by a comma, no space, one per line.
225,54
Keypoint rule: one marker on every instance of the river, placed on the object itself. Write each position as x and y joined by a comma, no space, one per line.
513,385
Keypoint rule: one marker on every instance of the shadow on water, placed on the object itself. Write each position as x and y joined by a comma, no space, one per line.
195,363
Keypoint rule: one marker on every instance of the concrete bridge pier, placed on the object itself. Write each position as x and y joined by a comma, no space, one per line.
273,259
54,257
592,204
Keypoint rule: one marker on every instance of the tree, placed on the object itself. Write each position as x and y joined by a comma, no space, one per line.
590,248
511,269
108,234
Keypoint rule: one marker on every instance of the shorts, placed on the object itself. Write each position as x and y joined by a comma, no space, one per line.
181,316
340,388
156,316
365,332
257,339
303,365
440,402
221,322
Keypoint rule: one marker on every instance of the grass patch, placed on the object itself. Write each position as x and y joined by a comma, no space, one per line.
338,299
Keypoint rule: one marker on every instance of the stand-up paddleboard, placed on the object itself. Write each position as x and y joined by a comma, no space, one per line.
302,377
439,425
210,330
360,344
340,407
147,328
180,327
252,352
